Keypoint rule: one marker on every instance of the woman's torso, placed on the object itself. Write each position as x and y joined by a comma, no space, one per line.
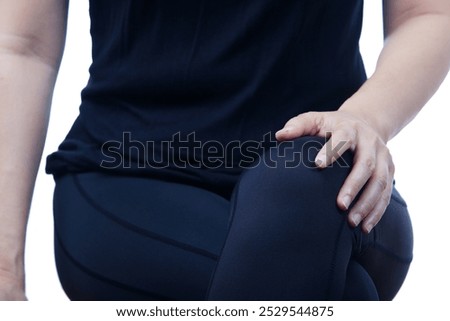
203,83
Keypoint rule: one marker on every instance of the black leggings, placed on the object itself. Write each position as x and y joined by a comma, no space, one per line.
280,237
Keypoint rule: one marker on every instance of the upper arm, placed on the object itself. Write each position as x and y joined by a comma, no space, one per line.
396,12
34,28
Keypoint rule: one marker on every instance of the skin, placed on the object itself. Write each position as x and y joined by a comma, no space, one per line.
31,45
413,63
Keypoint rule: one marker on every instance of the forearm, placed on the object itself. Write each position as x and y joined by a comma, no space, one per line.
412,65
25,88
32,38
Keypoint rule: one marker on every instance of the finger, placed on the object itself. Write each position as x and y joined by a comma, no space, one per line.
377,212
340,141
370,197
363,168
310,123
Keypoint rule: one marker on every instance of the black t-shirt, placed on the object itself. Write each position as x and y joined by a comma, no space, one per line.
191,89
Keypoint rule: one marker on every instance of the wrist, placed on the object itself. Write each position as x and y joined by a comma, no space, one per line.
12,279
13,271
12,263
12,287
373,117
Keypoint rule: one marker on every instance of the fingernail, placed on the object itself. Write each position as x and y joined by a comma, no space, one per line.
356,219
369,228
320,160
283,130
346,201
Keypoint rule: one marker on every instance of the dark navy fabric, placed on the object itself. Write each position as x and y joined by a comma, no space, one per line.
280,237
224,70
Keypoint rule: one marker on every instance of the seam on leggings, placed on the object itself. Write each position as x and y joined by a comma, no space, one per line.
105,279
333,260
391,254
233,211
376,245
140,230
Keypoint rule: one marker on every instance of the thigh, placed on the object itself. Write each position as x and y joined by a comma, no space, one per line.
131,238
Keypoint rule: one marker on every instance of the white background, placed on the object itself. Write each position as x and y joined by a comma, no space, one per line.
420,153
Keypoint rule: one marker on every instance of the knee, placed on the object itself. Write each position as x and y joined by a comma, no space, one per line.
285,191
290,167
